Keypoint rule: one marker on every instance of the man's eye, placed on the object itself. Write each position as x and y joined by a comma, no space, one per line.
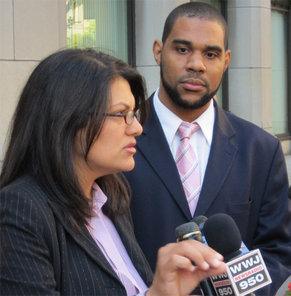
211,55
182,50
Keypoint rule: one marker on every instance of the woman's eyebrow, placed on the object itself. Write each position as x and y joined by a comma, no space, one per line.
120,105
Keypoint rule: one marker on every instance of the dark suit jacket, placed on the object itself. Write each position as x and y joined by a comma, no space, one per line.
245,178
42,254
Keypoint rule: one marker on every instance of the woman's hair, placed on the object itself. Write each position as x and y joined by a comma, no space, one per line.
67,91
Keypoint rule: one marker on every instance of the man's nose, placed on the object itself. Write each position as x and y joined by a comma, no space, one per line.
195,63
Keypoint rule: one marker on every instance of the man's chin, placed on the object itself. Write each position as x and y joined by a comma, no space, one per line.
192,102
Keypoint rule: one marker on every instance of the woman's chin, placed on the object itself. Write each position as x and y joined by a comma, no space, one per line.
129,167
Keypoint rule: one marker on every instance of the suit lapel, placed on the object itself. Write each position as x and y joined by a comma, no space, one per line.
222,154
154,146
85,241
127,236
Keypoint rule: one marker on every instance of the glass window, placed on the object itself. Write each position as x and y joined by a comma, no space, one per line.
101,24
279,70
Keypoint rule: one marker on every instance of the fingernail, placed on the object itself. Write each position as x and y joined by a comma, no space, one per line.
215,262
219,257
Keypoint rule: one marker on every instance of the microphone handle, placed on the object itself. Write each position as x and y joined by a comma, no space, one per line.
207,288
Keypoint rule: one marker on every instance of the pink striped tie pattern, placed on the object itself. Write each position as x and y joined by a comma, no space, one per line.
187,164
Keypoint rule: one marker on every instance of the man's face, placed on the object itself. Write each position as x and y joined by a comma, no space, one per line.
192,62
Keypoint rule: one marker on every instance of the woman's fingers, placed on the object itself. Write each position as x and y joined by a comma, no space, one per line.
201,255
181,266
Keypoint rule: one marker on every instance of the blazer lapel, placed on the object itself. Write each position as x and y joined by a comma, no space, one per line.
125,230
85,241
222,154
154,146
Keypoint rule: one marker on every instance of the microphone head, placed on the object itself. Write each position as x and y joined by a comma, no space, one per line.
199,220
188,231
223,235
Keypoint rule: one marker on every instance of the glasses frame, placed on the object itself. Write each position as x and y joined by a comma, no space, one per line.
127,115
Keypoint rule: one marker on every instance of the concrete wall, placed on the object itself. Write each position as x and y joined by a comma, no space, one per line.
29,31
250,72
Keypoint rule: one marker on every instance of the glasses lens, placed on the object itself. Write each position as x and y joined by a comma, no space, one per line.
129,117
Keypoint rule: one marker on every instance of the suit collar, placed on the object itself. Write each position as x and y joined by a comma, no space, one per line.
124,228
153,145
83,238
87,243
222,154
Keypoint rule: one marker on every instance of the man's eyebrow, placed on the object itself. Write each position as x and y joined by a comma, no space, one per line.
214,48
182,41
189,43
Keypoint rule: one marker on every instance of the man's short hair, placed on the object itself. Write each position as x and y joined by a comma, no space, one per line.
198,10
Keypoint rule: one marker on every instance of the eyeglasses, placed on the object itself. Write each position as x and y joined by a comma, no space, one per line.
127,115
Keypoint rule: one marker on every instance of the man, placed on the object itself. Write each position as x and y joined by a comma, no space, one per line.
237,168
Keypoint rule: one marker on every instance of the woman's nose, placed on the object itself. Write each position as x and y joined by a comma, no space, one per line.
134,128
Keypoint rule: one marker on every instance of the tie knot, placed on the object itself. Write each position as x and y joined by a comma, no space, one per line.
186,129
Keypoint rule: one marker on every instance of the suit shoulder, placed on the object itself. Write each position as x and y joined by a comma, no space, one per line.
250,130
24,200
26,187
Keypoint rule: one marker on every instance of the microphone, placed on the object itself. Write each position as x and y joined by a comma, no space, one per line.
223,235
199,220
246,271
191,231
188,231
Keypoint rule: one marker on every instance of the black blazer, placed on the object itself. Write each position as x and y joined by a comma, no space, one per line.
42,254
245,178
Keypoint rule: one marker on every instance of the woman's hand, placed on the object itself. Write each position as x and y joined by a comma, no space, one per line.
181,266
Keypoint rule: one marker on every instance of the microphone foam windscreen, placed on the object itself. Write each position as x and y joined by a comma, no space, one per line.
222,234
199,220
186,228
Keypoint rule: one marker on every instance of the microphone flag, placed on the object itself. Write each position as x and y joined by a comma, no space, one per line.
248,273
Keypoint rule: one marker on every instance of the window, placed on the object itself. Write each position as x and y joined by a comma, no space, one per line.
105,25
280,68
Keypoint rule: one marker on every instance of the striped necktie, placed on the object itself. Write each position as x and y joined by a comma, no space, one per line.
187,164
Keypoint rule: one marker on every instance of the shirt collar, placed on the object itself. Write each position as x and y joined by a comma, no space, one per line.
98,198
171,122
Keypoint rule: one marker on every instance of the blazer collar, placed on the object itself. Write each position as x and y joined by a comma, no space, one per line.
83,238
125,230
87,243
223,151
153,145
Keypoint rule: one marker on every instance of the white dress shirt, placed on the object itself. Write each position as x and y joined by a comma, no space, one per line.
200,140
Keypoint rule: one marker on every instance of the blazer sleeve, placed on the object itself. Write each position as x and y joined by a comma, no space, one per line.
25,266
273,235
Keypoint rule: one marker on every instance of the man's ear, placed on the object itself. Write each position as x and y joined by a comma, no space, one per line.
157,50
227,59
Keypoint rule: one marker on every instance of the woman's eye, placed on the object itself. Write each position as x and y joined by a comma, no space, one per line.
119,113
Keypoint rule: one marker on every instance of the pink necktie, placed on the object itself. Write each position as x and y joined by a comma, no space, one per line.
187,165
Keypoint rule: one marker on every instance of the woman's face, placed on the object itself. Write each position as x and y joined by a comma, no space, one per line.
114,148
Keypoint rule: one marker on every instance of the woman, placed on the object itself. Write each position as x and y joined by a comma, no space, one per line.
65,223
